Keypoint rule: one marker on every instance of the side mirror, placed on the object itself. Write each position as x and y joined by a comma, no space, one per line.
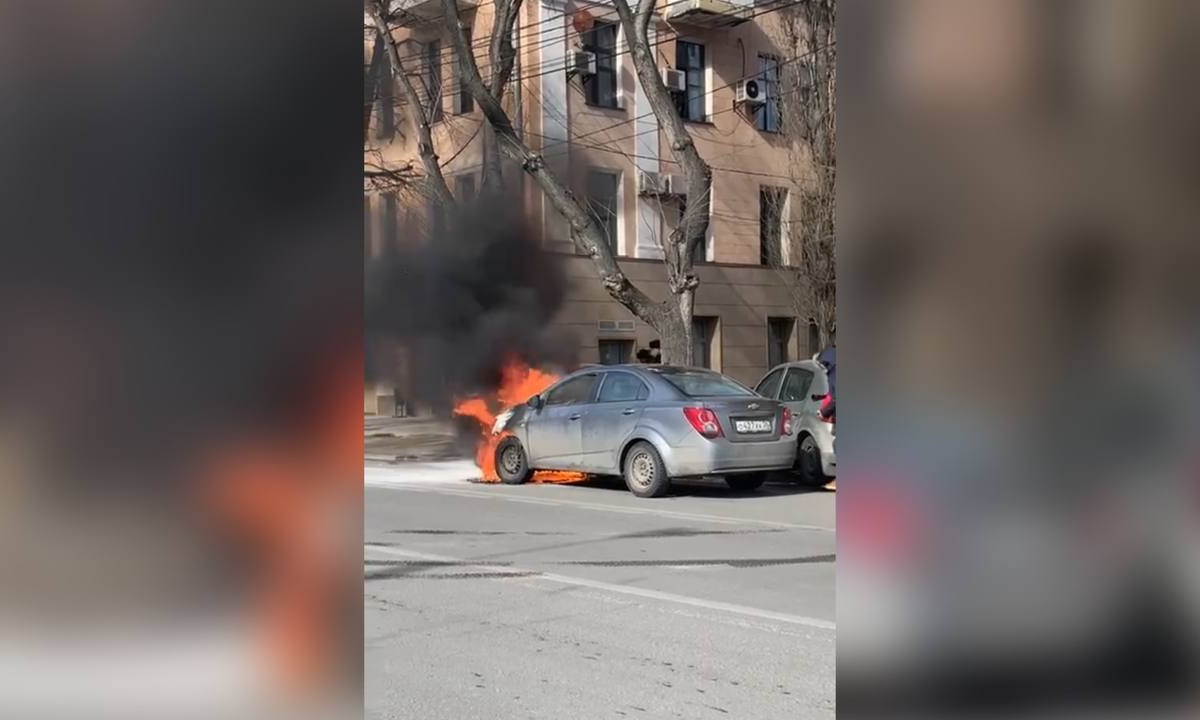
535,402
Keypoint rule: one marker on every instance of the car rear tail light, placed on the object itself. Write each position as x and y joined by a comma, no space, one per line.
705,421
787,420
826,412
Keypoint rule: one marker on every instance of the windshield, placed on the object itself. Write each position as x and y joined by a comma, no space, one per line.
696,383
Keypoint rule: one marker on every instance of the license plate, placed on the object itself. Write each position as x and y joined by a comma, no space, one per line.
752,426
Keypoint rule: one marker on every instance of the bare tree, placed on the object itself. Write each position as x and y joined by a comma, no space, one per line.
671,318
807,97
422,113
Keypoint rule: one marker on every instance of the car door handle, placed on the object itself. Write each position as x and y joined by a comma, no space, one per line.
628,411
576,416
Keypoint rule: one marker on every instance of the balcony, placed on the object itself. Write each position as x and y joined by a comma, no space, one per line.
708,14
411,12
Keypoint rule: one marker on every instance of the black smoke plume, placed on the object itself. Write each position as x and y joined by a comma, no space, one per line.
444,315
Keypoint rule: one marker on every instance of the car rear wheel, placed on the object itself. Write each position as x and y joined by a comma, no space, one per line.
511,463
808,463
748,481
644,472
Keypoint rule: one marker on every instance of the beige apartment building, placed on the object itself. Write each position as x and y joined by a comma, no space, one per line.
576,99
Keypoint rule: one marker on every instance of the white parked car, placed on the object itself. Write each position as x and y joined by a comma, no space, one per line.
803,386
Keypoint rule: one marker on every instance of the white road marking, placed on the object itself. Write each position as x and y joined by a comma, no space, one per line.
500,494
648,594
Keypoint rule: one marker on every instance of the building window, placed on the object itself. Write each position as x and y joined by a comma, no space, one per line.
771,203
689,57
704,338
779,340
433,79
767,116
615,352
381,75
603,190
814,337
464,188
466,103
601,89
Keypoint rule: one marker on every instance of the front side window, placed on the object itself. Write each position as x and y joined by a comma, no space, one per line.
767,116
601,89
795,387
603,189
622,387
575,391
689,57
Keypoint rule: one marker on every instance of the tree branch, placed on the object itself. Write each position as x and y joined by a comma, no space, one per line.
429,159
585,233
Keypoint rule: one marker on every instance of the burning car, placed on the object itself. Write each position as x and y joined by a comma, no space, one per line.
647,424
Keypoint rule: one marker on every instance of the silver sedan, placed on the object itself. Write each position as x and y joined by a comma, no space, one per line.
649,424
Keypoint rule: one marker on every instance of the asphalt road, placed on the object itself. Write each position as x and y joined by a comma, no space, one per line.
491,602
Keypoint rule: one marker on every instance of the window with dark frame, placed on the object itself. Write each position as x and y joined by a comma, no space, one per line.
600,89
814,337
466,102
689,57
603,201
704,331
771,201
768,116
433,79
779,340
615,352
381,71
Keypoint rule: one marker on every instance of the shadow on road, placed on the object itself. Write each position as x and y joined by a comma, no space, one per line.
707,488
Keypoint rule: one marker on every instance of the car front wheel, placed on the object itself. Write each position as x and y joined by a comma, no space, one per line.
511,463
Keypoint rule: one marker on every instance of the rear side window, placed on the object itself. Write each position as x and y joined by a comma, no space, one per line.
769,387
795,388
694,383
622,387
575,391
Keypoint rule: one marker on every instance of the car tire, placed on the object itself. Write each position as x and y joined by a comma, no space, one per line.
512,464
808,463
746,482
644,472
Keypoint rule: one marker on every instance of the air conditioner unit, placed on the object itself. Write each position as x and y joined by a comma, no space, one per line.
676,184
652,183
750,92
583,62
675,80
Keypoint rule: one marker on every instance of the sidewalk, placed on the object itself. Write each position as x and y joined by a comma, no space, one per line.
391,440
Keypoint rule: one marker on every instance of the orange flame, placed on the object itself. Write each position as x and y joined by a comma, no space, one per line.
518,383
